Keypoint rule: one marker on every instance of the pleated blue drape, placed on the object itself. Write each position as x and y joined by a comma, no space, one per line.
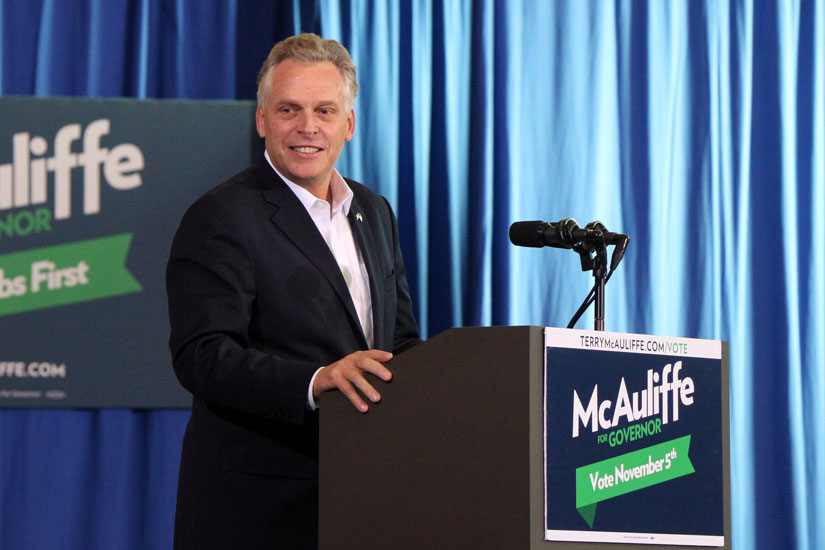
696,127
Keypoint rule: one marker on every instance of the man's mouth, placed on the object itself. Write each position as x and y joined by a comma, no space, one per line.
306,149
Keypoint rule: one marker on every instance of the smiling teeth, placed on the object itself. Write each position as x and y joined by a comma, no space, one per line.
307,149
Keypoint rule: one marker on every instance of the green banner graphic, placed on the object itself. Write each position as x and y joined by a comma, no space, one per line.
65,274
630,472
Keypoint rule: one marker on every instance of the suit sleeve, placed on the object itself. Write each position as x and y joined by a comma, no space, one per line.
211,292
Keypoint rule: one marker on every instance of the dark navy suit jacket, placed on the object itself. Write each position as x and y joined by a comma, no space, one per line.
257,303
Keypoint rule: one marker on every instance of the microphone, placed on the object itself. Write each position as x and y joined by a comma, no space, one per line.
563,234
567,234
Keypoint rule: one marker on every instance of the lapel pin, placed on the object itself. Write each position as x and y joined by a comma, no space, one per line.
359,217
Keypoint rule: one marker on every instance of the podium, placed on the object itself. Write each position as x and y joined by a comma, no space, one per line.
453,456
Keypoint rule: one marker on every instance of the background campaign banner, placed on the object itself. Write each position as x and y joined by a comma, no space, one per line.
91,193
633,439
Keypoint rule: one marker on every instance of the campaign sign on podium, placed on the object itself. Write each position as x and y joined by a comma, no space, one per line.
633,433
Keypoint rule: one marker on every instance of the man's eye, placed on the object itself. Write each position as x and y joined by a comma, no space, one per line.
287,110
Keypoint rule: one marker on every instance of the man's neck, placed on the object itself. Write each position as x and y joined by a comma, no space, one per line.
320,187
321,190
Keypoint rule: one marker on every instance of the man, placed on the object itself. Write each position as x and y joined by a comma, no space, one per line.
284,282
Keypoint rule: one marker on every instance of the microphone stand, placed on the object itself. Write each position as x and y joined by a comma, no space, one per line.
593,238
599,272
598,264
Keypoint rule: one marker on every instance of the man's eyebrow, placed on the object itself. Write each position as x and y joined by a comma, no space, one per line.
296,103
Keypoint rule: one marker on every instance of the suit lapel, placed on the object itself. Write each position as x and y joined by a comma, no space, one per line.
362,231
295,222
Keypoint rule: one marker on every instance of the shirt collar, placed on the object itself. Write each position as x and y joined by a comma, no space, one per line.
341,193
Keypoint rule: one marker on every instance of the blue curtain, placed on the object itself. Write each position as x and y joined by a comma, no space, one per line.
696,127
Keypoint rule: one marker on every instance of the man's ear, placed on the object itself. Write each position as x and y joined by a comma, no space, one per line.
350,125
259,122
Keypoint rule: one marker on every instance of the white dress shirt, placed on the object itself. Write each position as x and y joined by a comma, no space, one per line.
333,224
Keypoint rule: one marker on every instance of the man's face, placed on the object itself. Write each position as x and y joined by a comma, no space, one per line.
305,122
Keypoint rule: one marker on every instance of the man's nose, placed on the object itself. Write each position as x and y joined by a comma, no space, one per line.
307,123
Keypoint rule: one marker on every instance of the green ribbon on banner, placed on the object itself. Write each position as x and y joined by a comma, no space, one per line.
65,274
630,472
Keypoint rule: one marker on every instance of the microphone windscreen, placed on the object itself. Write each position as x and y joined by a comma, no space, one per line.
528,233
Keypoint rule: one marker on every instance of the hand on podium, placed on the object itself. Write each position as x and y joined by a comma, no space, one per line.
347,374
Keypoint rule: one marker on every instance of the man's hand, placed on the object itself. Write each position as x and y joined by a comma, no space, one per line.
347,374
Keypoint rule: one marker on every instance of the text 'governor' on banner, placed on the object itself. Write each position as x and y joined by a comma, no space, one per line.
91,192
633,439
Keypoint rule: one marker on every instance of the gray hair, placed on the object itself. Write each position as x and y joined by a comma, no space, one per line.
308,48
